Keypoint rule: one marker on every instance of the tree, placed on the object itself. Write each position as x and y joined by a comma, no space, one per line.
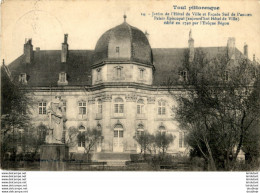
92,137
217,107
162,141
251,145
14,113
145,140
32,139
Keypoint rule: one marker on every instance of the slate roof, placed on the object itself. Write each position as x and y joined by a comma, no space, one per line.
139,44
46,66
168,61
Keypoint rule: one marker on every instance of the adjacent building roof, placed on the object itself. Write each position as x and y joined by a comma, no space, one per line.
46,65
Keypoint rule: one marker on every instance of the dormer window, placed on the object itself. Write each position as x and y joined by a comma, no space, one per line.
183,75
62,78
23,78
117,51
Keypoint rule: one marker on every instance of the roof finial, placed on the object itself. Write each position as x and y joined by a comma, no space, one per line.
124,17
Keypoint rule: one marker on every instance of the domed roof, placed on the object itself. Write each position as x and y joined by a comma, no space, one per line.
123,43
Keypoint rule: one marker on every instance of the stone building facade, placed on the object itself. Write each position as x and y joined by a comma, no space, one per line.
119,87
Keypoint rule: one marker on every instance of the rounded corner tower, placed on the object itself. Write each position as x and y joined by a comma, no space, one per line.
123,54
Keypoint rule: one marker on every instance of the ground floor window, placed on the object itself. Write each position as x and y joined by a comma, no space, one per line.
81,137
182,139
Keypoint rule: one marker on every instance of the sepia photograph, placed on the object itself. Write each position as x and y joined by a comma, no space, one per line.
130,86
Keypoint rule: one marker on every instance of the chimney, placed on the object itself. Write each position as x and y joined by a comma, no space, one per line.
231,45
254,61
28,51
7,70
37,49
191,47
246,50
65,49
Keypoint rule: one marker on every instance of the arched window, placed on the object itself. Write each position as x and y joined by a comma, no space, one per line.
141,73
119,106
118,72
99,106
140,130
81,136
140,106
162,129
161,107
99,127
118,131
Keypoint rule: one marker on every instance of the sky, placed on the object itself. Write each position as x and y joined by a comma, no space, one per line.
47,21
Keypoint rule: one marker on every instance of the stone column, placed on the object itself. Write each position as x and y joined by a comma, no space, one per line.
107,132
130,126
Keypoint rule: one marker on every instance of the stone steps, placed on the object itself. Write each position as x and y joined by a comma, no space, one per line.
115,162
111,156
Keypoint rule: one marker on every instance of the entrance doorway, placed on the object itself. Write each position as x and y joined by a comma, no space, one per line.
118,145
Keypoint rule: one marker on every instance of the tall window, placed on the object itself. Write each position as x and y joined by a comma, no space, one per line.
118,131
182,139
161,107
118,72
81,137
183,75
117,50
119,106
140,106
141,73
99,106
140,130
82,108
99,74
42,108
